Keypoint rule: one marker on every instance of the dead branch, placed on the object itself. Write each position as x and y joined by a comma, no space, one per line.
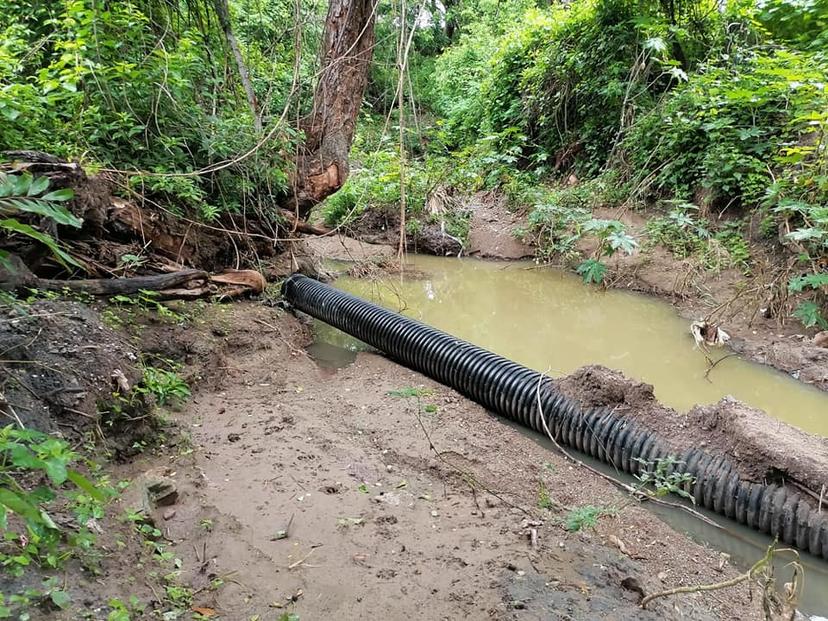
713,365
124,286
303,227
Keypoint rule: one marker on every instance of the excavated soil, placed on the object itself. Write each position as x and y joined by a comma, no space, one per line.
325,494
60,365
763,448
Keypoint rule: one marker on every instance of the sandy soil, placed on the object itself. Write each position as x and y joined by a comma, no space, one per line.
395,507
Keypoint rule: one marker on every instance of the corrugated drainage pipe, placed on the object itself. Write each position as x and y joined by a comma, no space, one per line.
511,390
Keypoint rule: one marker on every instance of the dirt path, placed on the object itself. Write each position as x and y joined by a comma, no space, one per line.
379,525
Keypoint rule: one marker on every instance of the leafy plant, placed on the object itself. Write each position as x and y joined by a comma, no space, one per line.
810,315
592,271
23,195
663,477
35,471
165,385
585,516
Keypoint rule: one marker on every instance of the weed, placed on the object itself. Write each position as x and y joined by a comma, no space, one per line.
147,301
586,516
165,385
30,535
663,477
544,499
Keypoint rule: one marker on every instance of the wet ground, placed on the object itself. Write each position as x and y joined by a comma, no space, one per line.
329,496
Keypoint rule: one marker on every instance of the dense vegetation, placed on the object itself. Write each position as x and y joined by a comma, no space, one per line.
712,116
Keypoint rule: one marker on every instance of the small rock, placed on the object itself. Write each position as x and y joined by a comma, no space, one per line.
162,492
435,514
821,339
169,514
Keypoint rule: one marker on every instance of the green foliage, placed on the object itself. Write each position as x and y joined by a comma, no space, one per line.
808,281
147,301
585,516
663,477
166,385
592,271
684,234
37,474
23,195
145,87
717,131
810,315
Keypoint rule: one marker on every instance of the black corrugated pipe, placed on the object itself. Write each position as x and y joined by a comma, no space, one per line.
511,390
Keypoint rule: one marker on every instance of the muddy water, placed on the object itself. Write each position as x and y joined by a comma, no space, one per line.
550,321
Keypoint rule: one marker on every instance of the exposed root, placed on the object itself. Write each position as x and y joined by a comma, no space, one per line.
776,607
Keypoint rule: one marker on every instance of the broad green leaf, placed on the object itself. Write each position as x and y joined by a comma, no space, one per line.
56,469
22,457
13,226
60,599
40,206
59,195
20,506
592,271
38,186
86,485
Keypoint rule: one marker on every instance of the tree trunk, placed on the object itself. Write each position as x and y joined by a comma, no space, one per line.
347,49
223,13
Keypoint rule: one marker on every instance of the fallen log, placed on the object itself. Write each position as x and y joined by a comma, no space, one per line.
124,286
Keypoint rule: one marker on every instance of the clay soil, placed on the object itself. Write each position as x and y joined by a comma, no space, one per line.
324,494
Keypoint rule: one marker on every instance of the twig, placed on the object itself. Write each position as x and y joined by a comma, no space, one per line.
713,365
468,477
301,560
761,563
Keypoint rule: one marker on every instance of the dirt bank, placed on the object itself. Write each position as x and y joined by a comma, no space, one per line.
317,492
762,448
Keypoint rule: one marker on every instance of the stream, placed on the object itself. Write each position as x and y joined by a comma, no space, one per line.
550,321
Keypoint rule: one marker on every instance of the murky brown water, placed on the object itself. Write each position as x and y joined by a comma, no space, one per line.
548,320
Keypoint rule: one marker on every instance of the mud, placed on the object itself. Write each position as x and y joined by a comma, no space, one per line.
382,227
763,449
60,366
494,231
391,506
